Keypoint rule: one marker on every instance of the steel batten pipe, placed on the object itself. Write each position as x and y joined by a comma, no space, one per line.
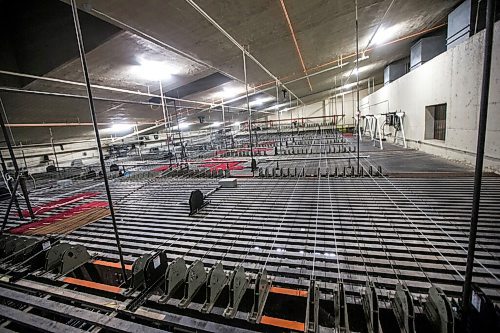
81,50
481,136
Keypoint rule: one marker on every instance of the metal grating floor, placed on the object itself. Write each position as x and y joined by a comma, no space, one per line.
390,229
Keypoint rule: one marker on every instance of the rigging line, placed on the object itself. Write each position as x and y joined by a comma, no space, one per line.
356,232
235,220
57,240
449,222
303,261
430,219
317,206
446,233
379,234
263,223
265,220
412,224
406,246
282,219
192,226
337,257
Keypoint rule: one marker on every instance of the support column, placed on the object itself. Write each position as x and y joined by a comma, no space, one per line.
481,136
81,49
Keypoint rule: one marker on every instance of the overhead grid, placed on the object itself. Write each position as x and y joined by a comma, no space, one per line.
290,225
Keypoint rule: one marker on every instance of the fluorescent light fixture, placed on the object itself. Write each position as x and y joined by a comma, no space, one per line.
215,124
385,34
259,101
229,92
347,86
184,125
118,128
155,70
354,72
364,57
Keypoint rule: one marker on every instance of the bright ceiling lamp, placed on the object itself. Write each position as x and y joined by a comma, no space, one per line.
355,71
118,128
184,125
215,124
155,70
385,34
260,101
228,92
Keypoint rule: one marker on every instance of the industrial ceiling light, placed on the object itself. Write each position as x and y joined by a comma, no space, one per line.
118,128
260,101
385,34
356,71
184,125
228,92
155,70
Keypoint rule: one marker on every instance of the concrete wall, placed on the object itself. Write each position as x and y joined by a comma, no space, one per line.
454,78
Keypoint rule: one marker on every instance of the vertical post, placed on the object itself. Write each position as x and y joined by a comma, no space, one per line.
17,172
53,148
278,111
335,118
223,123
9,185
165,110
24,156
481,135
249,111
357,86
291,113
81,50
179,130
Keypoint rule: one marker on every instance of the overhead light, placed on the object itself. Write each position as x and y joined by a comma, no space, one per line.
260,101
118,128
364,57
215,124
237,123
347,86
228,92
351,72
183,125
356,71
385,34
155,70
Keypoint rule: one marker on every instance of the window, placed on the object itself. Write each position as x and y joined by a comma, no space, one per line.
435,122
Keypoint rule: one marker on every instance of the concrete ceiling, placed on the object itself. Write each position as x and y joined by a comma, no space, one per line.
174,33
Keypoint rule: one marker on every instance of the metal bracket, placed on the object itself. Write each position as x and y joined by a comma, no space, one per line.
438,311
54,255
20,248
138,278
404,309
150,271
238,283
6,245
196,202
340,309
64,258
196,277
174,277
262,286
312,310
217,280
370,308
